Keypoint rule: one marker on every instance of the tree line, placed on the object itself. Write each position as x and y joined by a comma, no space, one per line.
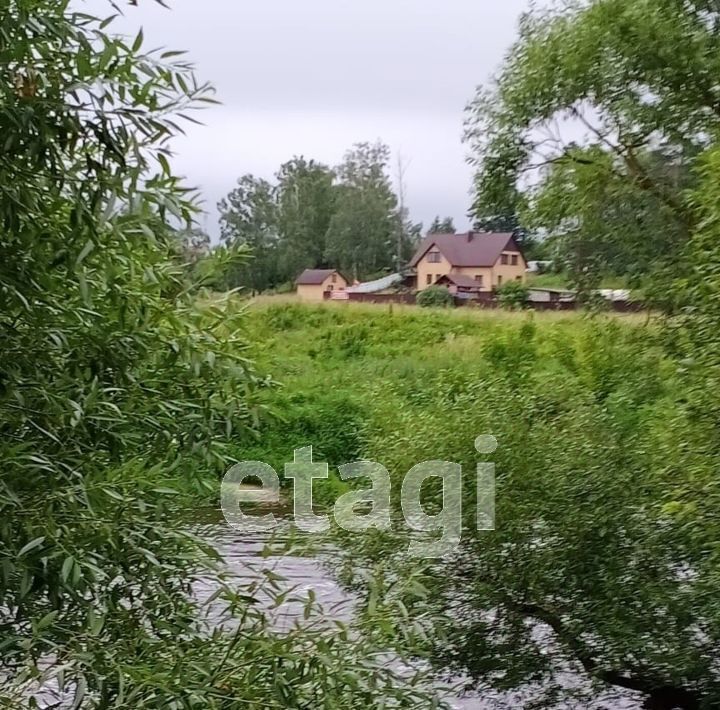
314,216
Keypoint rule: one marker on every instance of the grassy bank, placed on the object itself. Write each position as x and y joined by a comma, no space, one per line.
349,372
595,509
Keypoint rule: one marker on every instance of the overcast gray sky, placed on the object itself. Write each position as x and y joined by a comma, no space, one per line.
312,77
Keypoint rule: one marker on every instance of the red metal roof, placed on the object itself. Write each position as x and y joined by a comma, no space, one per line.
315,277
469,249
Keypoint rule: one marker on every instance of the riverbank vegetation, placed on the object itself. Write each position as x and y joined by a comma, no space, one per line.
602,565
126,390
115,378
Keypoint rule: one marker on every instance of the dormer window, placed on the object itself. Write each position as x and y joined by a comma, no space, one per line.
434,257
504,259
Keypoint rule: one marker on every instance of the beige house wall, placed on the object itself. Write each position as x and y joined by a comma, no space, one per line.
492,277
310,293
425,268
489,275
473,271
315,292
502,273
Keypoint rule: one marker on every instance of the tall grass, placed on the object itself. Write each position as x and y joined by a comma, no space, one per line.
348,371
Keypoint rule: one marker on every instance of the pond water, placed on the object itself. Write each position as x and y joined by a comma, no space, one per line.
243,555
305,574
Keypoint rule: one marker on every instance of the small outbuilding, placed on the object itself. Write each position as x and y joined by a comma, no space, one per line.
460,285
313,284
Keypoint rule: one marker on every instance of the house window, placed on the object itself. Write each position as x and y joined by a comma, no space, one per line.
518,278
514,260
428,279
499,280
504,259
434,257
333,278
479,279
438,277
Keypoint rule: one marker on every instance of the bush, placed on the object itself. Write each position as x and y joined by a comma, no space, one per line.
435,297
513,295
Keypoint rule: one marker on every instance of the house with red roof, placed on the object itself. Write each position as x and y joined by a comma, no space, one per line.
312,284
471,262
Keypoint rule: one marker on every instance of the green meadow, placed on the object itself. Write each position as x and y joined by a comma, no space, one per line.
348,378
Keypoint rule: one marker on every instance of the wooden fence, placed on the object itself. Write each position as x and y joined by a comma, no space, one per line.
406,298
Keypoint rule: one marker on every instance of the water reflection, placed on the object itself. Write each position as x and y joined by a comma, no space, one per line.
298,576
307,572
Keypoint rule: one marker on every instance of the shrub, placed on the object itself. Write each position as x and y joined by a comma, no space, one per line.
435,297
513,295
